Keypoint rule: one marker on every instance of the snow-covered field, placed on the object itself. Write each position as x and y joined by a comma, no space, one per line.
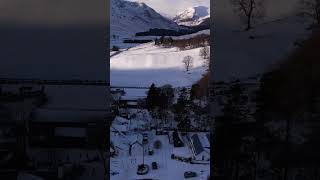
146,64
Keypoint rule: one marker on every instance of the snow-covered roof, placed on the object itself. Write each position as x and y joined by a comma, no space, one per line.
200,142
132,103
198,148
119,127
120,120
182,151
70,132
203,139
135,138
208,137
134,94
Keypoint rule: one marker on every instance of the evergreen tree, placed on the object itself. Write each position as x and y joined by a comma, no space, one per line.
152,97
182,110
182,102
184,123
166,96
193,92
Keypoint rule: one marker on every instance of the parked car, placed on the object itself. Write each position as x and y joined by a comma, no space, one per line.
145,138
151,152
154,165
172,156
190,174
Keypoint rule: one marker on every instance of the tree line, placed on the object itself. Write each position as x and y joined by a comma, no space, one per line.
197,41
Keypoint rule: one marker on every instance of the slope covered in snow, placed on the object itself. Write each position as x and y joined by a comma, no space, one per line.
239,56
128,18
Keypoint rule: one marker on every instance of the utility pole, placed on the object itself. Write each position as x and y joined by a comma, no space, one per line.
142,154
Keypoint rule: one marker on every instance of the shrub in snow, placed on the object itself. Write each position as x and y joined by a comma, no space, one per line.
157,144
205,52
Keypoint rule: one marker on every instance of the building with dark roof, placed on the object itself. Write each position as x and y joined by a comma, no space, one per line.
200,147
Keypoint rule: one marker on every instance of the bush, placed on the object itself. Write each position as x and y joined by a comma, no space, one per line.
115,48
157,144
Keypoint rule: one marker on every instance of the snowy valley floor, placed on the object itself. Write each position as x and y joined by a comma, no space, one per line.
146,64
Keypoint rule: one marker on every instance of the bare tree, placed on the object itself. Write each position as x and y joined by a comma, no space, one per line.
188,62
249,10
205,54
311,8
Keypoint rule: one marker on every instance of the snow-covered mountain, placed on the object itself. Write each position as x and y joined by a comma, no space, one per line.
170,8
192,16
128,18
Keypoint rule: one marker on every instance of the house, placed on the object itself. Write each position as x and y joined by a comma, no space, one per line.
117,93
132,104
200,146
123,112
119,125
136,145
